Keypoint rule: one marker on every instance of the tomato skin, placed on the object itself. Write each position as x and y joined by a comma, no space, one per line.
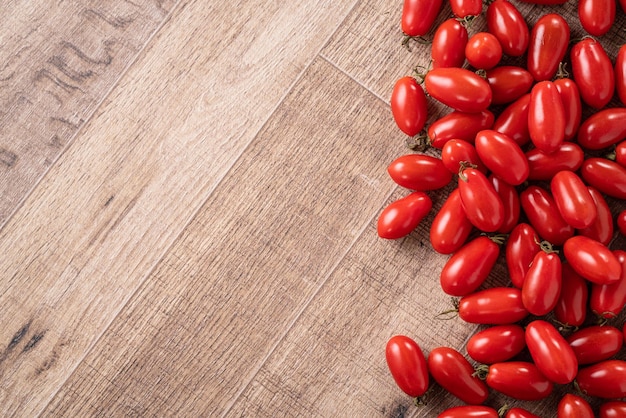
481,202
614,409
542,284
469,411
621,222
493,306
573,200
608,300
454,373
496,344
418,16
419,172
606,176
549,39
520,250
550,352
467,269
506,22
546,117
572,406
620,153
513,121
409,106
543,166
508,83
596,343
620,74
458,125
572,104
458,88
455,151
571,308
520,413
402,216
407,365
502,156
593,72
538,205
602,229
520,380
465,8
606,380
483,51
448,46
592,260
450,227
602,129
510,200
596,16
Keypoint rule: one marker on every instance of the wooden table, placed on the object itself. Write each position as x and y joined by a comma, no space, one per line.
189,194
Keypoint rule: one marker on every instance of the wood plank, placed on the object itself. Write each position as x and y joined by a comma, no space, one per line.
58,63
89,234
222,298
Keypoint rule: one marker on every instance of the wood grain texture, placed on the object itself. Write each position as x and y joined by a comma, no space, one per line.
108,210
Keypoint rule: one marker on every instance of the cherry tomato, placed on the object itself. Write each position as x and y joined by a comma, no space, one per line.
469,411
602,229
592,260
519,380
614,409
571,309
542,284
403,215
409,106
483,51
608,300
620,153
496,344
513,121
573,200
456,151
606,176
548,43
481,202
419,172
458,125
543,166
593,72
510,200
418,16
519,413
550,352
572,104
539,207
596,343
546,117
572,406
597,16
520,250
506,22
603,129
455,374
508,83
459,89
493,306
469,267
606,379
448,46
620,74
502,156
407,365
450,227
621,222
465,8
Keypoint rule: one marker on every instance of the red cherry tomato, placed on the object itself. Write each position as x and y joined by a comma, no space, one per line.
469,411
539,207
606,379
418,16
513,121
508,83
620,74
469,267
493,306
458,125
521,247
407,365
455,374
456,151
519,380
543,166
621,222
614,409
593,72
596,343
572,406
448,46
510,200
620,153
483,51
459,89
592,260
549,39
519,413
550,352
603,129
602,229
496,344
465,8
409,106
403,215
502,156
546,117
450,227
573,200
481,202
542,284
606,176
506,22
571,309
419,172
572,104
597,16
608,300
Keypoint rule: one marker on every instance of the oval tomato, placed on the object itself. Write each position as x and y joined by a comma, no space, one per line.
603,129
458,125
450,227
409,106
456,151
465,8
539,207
542,284
407,365
572,104
419,172
549,39
572,406
606,176
520,380
608,300
510,200
481,202
571,308
448,46
593,72
519,413
544,166
573,200
455,374
550,352
592,260
546,117
614,409
606,379
483,51
402,216
502,156
596,16
418,16
508,83
496,344
469,411
493,306
596,343
513,121
506,22
520,250
459,89
602,229
620,153
620,74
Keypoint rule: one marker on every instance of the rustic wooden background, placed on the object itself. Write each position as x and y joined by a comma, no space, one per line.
188,198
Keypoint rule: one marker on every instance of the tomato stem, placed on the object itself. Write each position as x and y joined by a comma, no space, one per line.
481,371
565,328
498,238
450,313
503,410
546,247
418,142
464,165
418,39
562,73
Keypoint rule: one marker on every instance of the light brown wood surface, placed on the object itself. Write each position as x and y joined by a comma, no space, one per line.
189,193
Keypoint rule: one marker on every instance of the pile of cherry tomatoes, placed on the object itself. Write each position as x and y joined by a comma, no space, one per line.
535,157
